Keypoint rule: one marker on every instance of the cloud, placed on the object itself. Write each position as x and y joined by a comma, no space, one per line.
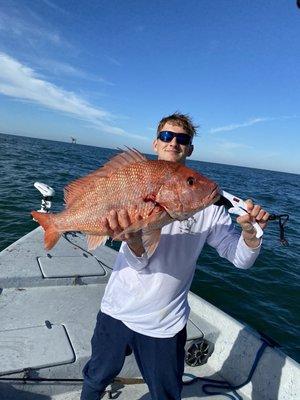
22,83
231,146
59,68
250,122
113,60
119,131
17,27
55,6
151,129
230,152
19,81
232,127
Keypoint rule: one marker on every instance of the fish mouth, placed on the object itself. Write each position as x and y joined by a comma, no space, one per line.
212,198
215,195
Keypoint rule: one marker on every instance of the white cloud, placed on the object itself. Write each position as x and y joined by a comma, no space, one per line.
59,68
250,122
232,127
19,81
118,131
234,145
17,26
113,60
22,83
231,146
151,129
55,6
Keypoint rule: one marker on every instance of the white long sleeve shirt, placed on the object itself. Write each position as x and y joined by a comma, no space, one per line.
150,295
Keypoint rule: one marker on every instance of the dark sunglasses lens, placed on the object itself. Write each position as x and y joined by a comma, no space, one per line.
166,136
183,139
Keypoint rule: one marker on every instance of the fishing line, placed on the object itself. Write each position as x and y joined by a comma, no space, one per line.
74,234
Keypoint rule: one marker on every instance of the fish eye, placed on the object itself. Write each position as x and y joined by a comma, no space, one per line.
190,181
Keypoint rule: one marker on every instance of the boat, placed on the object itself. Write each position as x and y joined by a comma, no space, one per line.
49,301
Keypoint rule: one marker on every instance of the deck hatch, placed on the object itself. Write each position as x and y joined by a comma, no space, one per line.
70,266
34,347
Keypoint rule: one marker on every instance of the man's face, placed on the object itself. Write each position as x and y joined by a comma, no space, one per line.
172,151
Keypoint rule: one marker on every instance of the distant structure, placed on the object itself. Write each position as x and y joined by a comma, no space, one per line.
73,140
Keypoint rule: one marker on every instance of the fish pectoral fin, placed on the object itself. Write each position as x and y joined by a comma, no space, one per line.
156,215
150,240
137,226
94,241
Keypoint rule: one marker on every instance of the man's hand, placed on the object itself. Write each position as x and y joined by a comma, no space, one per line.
256,214
117,223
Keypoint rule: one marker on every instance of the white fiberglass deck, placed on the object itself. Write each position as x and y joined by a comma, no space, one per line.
48,307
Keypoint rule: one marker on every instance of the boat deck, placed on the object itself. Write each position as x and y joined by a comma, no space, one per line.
119,391
48,307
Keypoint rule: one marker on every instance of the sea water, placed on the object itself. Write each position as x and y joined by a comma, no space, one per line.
266,297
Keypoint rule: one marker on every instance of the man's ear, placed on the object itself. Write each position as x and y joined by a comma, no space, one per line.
154,145
190,150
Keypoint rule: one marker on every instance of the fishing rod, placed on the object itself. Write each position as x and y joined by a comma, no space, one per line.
237,206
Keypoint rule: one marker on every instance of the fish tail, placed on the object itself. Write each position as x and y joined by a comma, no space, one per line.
51,233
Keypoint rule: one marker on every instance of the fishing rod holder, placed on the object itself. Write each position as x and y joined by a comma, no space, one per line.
47,195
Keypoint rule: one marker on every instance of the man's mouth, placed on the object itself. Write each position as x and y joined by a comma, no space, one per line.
173,151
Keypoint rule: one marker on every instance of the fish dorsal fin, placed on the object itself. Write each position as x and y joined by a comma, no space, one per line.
130,156
94,241
81,185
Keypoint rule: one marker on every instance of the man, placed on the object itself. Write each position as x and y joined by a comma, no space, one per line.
144,308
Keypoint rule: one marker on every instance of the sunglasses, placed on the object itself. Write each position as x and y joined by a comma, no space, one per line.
181,138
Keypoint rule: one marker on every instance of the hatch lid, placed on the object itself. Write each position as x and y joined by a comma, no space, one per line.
34,347
70,266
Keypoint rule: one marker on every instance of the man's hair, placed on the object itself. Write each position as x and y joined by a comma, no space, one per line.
178,119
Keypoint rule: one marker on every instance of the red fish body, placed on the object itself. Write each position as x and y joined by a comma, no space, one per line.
152,192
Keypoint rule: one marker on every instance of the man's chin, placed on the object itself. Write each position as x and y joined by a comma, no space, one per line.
173,156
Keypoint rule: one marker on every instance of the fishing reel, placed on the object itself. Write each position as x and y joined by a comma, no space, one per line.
47,195
198,352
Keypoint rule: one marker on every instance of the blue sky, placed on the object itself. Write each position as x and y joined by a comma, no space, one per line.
107,71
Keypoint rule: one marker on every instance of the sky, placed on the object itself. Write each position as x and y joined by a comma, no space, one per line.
107,71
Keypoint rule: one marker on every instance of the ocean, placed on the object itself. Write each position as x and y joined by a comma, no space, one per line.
266,297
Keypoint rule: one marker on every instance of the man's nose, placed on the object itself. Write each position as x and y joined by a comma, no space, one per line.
174,141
